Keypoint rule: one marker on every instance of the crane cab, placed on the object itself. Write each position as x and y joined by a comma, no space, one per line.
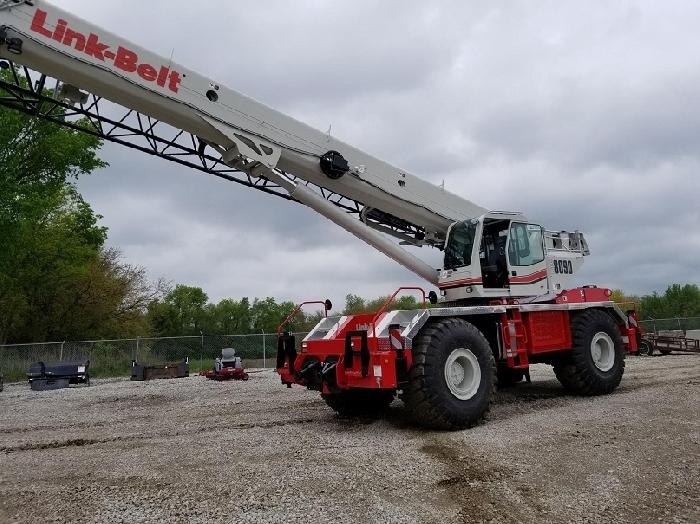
504,255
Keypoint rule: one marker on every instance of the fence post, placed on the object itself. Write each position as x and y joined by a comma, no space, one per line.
263,335
136,356
60,356
201,352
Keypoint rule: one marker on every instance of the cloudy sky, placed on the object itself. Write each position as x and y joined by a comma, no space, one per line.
582,115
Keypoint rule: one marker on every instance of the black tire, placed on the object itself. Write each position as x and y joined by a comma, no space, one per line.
429,399
508,377
360,402
592,331
645,348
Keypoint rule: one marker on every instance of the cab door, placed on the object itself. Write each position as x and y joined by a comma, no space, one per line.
527,265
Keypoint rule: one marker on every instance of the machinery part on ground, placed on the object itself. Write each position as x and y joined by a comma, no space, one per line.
453,376
161,371
509,377
56,375
596,364
359,402
2,382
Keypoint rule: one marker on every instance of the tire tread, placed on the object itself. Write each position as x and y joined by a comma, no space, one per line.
422,399
577,374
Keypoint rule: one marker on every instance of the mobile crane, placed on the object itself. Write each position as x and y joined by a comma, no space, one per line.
504,302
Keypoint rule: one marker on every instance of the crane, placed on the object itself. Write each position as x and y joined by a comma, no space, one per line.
504,301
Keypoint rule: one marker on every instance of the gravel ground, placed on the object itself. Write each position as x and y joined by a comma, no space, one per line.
193,450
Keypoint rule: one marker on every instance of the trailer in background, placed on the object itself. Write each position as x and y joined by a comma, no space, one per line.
668,341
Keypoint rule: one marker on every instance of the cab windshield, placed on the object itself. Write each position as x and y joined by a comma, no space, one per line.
460,243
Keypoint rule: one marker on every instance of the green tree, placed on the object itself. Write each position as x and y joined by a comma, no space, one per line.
683,301
181,313
110,301
267,315
229,317
355,305
49,234
676,302
620,296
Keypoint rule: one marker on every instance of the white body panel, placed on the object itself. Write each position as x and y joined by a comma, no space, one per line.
551,263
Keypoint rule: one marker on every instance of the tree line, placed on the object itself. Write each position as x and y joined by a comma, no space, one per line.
59,281
185,310
678,301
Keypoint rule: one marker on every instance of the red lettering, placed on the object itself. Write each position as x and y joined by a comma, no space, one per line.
174,81
126,60
163,76
147,72
94,48
38,24
79,39
60,30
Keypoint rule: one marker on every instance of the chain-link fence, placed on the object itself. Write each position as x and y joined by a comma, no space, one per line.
670,324
109,358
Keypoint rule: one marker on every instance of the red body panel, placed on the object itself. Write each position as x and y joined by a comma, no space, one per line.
547,331
580,295
522,334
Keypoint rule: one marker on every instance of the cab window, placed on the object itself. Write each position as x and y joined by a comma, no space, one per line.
458,251
526,246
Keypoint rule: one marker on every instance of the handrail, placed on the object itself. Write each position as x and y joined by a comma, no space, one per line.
326,307
391,299
634,304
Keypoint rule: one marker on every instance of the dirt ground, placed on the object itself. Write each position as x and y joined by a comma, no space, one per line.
192,450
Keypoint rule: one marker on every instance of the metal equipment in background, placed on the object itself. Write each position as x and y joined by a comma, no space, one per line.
43,376
180,370
227,366
668,341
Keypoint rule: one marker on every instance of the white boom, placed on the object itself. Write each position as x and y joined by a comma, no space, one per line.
249,135
488,255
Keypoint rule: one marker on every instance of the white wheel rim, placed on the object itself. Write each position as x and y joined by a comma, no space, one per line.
462,373
603,351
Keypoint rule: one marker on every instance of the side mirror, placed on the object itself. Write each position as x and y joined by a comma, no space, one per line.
432,297
328,304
